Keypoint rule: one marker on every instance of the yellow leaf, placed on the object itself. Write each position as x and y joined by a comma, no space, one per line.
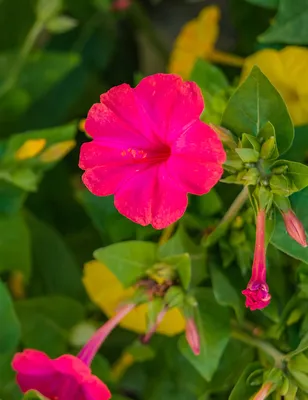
287,71
57,151
30,148
105,290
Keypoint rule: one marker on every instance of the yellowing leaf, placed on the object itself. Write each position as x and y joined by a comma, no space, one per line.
197,40
57,151
287,71
30,149
107,292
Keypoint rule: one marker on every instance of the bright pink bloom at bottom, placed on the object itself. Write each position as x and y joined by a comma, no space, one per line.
257,292
150,149
67,377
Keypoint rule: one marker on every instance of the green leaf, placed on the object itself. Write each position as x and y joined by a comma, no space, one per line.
15,249
46,9
297,173
10,327
61,24
208,77
280,237
265,3
303,346
33,395
242,389
182,264
46,321
55,270
253,104
210,203
248,155
128,261
11,198
290,24
266,133
141,352
181,243
214,334
225,293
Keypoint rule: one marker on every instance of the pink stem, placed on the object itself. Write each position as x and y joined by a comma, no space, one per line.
259,260
88,352
153,329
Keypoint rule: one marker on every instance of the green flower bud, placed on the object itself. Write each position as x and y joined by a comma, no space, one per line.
268,148
248,155
251,177
280,185
280,170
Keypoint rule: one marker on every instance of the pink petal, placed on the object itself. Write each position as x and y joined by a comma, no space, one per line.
171,103
120,117
105,180
32,362
95,389
193,176
71,365
200,143
151,197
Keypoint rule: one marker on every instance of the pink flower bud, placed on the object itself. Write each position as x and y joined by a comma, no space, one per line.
263,392
192,336
294,227
121,5
257,292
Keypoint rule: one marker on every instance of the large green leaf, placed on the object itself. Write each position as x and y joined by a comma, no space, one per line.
10,327
45,322
280,237
128,260
55,270
225,293
253,104
290,25
214,334
15,248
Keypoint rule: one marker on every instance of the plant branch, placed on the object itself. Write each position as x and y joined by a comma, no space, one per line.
266,347
235,206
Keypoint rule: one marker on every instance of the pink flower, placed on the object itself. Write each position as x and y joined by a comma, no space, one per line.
192,336
294,227
66,377
150,149
257,292
264,392
121,5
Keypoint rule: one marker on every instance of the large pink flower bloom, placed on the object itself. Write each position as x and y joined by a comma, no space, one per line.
150,149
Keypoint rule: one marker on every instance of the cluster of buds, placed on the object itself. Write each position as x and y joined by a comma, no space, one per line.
251,162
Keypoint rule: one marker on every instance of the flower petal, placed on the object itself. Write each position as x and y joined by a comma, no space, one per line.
119,118
32,362
171,103
200,143
151,197
194,177
95,389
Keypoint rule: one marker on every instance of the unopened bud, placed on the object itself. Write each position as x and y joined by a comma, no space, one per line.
248,155
280,170
263,392
294,227
268,148
280,185
224,135
251,176
192,336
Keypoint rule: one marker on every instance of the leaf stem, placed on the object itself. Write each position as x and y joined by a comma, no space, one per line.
235,206
167,232
266,347
22,57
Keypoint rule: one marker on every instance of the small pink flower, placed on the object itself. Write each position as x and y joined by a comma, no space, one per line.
294,227
257,292
121,5
192,336
66,377
150,149
264,392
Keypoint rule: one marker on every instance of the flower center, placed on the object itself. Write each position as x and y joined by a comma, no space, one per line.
157,155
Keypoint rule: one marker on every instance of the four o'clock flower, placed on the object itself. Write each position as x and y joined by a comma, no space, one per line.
150,149
66,377
294,227
257,295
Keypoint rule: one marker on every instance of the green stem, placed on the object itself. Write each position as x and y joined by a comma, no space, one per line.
167,232
266,347
235,206
22,57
